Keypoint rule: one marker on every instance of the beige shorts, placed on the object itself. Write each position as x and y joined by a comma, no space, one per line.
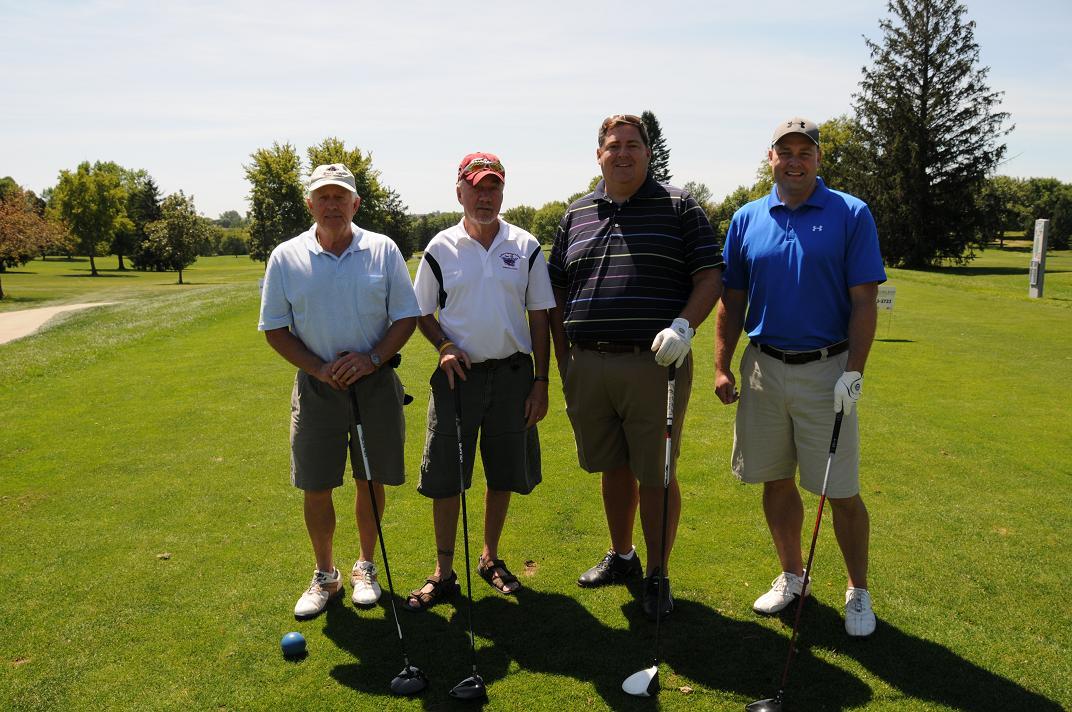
785,419
616,403
322,430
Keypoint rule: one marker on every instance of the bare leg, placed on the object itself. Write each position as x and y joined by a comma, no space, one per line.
651,519
852,527
320,523
366,522
496,504
620,498
445,519
785,516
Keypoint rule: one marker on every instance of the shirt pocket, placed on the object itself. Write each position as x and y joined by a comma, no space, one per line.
372,294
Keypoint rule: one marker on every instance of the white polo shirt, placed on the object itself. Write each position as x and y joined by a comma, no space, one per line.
488,291
334,304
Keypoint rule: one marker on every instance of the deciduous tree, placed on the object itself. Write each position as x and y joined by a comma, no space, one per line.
277,198
91,201
172,243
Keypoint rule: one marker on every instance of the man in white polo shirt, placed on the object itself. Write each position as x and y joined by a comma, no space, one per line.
483,277
338,304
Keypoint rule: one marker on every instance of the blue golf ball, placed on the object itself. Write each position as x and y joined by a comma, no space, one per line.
293,645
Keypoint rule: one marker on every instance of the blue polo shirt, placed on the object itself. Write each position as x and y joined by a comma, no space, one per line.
797,266
334,304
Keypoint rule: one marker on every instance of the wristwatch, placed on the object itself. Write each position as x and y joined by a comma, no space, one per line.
375,358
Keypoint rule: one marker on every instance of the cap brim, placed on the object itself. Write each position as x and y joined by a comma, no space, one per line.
475,178
329,181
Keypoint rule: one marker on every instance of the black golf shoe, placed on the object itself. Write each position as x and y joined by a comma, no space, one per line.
611,569
651,595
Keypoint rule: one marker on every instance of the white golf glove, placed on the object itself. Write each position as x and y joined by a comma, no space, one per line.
672,344
847,391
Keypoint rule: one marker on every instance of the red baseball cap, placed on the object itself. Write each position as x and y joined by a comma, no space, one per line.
477,165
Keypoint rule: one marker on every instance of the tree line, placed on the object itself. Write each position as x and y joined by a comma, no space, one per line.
922,148
103,208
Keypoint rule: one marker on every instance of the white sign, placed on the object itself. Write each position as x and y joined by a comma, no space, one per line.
886,293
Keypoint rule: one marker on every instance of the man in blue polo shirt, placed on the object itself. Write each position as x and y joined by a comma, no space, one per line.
804,263
636,268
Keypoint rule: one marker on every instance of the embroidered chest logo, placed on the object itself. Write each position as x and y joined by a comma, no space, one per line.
816,228
509,260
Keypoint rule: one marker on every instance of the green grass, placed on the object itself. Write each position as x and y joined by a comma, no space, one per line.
159,425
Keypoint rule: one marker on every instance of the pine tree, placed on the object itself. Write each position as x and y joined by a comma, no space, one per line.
660,152
932,134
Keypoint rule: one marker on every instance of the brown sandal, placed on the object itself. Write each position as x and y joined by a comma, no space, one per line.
442,589
489,571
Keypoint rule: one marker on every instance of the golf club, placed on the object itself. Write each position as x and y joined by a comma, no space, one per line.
774,704
411,680
645,683
472,687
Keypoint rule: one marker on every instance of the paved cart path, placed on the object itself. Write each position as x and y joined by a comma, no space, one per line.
17,324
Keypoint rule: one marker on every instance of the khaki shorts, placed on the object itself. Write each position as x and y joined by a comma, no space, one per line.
322,422
616,403
785,419
493,404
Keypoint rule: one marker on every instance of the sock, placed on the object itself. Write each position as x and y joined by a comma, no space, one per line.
629,556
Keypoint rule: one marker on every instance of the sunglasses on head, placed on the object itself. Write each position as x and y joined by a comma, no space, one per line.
481,164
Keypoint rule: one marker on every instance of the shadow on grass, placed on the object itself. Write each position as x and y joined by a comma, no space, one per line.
101,274
897,341
916,667
555,634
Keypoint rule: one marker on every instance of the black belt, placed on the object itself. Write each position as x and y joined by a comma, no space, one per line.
799,357
513,361
608,347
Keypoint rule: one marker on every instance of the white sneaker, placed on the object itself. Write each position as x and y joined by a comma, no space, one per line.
322,590
363,579
859,618
784,590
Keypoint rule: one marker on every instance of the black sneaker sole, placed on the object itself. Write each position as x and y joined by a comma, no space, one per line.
614,578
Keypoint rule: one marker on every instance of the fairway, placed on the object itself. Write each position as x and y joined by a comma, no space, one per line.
153,548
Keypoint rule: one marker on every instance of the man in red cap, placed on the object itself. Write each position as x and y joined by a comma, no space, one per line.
487,281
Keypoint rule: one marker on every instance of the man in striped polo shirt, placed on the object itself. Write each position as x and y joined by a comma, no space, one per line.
636,268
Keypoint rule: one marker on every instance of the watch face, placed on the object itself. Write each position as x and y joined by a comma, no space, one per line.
375,359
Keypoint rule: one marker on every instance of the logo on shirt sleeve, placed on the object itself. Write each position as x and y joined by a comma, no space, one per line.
509,260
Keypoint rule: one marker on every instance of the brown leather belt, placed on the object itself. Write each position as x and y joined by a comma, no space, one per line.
608,347
799,357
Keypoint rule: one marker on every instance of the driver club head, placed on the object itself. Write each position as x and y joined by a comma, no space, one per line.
409,682
771,704
471,688
643,683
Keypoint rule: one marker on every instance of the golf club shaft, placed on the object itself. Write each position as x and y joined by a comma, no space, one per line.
465,516
811,550
671,375
376,516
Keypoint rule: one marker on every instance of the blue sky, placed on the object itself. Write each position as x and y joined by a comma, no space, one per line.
188,90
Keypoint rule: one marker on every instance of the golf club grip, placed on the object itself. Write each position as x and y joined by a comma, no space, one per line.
837,431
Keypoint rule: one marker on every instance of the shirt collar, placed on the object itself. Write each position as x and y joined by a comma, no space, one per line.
817,199
356,244
649,187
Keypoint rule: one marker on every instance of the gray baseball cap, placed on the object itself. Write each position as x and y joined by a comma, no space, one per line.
332,174
796,125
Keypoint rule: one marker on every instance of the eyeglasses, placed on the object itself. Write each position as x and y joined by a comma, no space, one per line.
481,164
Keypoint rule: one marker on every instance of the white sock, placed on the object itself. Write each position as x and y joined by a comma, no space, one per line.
629,556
